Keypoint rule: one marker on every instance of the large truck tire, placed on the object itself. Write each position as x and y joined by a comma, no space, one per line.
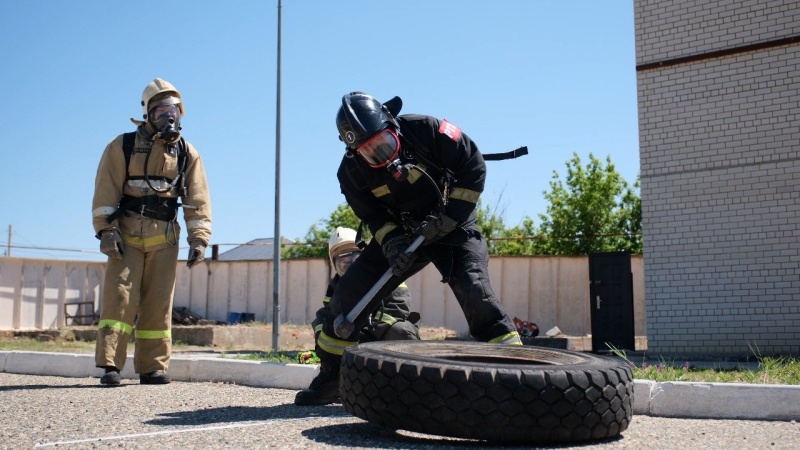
492,392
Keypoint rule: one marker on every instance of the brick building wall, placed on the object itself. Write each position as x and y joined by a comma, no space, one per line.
718,88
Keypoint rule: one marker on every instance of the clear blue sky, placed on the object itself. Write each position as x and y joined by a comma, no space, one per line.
558,77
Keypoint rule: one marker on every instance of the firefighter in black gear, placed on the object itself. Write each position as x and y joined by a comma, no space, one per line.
406,176
392,321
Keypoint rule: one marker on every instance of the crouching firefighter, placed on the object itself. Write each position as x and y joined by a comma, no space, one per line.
391,321
406,176
141,180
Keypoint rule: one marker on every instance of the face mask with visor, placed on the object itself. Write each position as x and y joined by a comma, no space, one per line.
381,149
342,262
166,117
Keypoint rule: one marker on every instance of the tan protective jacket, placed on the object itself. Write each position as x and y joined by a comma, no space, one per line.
137,230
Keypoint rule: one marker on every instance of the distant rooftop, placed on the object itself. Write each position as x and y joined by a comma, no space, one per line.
255,250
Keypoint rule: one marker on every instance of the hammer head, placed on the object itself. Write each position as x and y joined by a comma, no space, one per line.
343,327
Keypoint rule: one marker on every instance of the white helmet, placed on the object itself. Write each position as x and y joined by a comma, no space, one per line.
343,240
155,87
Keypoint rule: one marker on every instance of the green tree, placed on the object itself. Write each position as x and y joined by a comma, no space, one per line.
500,240
315,242
491,225
518,240
594,210
629,219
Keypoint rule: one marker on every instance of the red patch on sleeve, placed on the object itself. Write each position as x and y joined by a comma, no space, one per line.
450,130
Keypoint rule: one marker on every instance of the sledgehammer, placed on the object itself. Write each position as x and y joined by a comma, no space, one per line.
343,325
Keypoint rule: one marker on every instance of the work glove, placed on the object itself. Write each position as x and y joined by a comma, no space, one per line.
435,227
197,253
111,243
395,251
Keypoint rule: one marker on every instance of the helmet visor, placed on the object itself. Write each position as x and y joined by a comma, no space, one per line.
165,110
342,262
381,149
164,99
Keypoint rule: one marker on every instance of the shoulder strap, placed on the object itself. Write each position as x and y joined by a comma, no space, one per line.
359,240
182,152
183,156
128,141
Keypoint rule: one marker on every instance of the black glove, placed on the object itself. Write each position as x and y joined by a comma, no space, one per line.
111,243
435,227
395,251
197,253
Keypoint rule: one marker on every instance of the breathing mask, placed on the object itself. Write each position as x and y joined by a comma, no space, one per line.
342,262
165,116
382,150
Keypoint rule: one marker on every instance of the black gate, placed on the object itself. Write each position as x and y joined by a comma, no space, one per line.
611,301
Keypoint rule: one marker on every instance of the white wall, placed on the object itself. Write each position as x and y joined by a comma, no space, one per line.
548,290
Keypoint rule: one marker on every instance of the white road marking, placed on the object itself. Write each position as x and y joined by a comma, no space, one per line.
188,430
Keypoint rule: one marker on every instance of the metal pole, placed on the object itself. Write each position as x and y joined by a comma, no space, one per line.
277,241
10,232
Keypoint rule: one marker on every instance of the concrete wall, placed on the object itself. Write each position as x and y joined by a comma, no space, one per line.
550,291
33,291
718,88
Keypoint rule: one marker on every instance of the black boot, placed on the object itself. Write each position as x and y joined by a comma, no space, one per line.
157,377
111,377
324,389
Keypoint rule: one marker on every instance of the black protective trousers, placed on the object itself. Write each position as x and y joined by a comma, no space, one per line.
463,266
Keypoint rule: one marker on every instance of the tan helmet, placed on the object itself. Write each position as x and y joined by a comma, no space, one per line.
342,240
156,87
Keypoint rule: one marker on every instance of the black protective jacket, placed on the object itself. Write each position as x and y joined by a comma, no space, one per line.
441,150
393,320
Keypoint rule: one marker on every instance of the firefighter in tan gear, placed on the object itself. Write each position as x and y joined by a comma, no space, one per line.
143,179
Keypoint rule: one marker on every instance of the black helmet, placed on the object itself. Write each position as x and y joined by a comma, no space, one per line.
361,116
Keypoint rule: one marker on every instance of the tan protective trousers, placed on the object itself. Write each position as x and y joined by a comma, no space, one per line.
137,295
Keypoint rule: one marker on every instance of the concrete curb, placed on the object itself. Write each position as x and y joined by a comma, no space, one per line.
716,400
181,368
666,399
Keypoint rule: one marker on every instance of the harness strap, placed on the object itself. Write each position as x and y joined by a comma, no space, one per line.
506,155
152,206
128,141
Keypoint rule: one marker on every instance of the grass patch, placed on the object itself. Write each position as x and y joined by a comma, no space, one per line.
298,357
271,356
36,345
771,370
68,344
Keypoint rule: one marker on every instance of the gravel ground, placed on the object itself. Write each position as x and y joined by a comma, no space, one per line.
39,411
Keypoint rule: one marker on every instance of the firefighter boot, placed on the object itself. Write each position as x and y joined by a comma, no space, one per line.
157,377
111,377
324,389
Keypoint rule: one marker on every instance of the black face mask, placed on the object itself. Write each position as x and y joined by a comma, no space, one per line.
167,122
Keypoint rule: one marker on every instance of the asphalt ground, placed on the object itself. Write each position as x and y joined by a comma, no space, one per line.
67,412
54,399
